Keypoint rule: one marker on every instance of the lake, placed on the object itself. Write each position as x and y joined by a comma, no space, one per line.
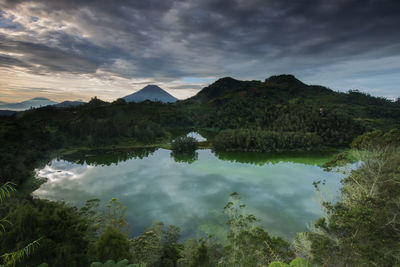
191,192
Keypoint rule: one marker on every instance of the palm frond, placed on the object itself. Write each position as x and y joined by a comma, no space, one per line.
6,190
10,259
2,224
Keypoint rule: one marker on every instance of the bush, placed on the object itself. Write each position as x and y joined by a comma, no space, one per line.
184,144
377,139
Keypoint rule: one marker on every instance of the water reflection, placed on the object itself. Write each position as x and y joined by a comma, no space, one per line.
108,157
115,156
154,187
258,158
186,157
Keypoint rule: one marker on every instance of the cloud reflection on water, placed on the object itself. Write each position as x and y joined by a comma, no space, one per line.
157,188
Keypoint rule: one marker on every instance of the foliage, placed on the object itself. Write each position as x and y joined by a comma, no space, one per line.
114,216
107,156
12,258
266,141
298,262
339,160
363,227
147,248
201,257
157,246
203,252
250,245
6,190
112,244
185,157
184,144
278,264
183,149
111,263
63,232
283,103
377,139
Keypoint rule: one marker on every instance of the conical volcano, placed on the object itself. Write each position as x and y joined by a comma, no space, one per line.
152,93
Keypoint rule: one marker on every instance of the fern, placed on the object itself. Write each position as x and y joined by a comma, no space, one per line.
6,190
4,221
10,259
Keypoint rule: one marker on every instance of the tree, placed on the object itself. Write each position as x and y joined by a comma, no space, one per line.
115,216
250,245
147,248
201,257
113,245
184,144
363,227
11,258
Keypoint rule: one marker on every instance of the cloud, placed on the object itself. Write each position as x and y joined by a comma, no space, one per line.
169,40
186,86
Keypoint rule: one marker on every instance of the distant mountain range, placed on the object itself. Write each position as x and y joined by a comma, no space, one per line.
7,113
34,103
67,104
152,93
37,102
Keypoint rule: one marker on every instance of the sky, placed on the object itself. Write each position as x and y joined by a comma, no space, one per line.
77,49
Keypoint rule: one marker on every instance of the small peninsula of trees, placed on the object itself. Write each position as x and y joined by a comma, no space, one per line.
184,144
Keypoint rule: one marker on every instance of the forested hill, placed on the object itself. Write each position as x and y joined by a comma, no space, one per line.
230,103
287,89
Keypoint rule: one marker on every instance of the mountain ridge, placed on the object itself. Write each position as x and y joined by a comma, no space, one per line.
35,102
68,103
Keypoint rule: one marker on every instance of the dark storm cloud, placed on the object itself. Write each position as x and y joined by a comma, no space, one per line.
6,61
41,58
174,39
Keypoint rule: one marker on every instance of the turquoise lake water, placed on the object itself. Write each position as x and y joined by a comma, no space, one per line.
154,186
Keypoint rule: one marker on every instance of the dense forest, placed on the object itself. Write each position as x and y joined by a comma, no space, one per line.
278,114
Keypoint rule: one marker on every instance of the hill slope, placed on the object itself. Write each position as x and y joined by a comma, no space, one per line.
152,93
249,101
284,104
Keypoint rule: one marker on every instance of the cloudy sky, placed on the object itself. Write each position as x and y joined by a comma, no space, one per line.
71,49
